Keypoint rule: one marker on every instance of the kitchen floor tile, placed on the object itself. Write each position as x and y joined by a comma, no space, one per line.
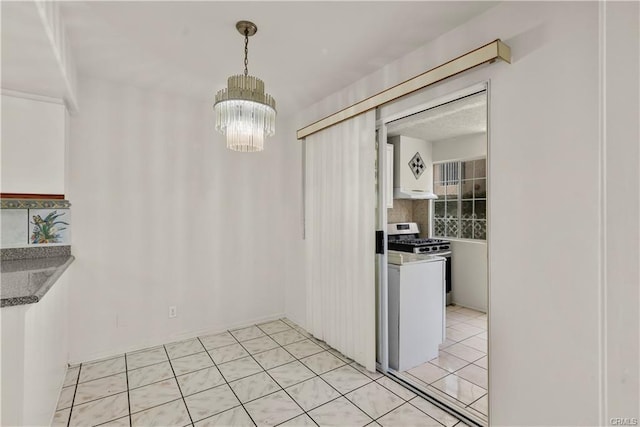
446,343
470,312
258,345
273,409
312,393
99,411
374,399
448,362
303,349
481,405
460,389
170,414
94,370
120,422
346,379
254,386
210,402
340,356
217,340
153,395
273,358
374,375
249,333
477,343
463,352
149,374
339,412
288,337
273,327
239,369
465,327
61,418
483,363
396,388
291,373
184,348
322,362
428,372
66,398
300,421
407,415
478,322
434,412
228,353
224,385
71,377
456,335
474,374
236,417
195,362
200,380
141,359
103,387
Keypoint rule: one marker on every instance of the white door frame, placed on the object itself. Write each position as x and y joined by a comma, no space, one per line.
381,128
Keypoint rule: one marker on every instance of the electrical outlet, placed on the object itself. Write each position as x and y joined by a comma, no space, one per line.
172,311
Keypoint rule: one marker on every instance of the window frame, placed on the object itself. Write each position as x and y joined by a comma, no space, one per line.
460,199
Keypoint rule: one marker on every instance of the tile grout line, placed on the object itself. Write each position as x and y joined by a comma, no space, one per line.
177,384
73,400
304,337
272,379
228,385
126,375
404,401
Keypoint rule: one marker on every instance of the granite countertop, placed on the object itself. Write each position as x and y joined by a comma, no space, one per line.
27,280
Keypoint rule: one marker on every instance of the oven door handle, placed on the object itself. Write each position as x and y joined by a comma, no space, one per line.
442,254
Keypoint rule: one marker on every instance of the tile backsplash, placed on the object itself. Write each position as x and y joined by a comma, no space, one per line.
408,210
34,223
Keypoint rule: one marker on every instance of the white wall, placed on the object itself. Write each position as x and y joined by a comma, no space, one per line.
621,228
460,147
469,274
165,215
546,351
33,145
469,260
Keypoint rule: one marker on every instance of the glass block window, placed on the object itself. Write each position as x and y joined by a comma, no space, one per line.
461,208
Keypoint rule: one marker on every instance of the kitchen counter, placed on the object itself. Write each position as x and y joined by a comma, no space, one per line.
402,258
27,280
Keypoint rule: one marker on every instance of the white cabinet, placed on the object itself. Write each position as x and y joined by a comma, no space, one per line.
35,352
33,146
389,171
416,313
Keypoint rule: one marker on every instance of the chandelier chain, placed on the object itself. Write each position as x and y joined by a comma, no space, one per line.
246,51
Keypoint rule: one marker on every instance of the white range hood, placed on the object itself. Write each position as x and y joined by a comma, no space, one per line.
412,168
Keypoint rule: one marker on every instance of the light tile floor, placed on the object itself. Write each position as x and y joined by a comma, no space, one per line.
460,370
269,374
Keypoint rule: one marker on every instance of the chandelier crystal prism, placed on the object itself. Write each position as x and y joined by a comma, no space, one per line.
244,112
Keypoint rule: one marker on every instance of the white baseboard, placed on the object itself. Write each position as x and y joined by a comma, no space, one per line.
175,337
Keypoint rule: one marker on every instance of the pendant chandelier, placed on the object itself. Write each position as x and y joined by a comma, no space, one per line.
244,112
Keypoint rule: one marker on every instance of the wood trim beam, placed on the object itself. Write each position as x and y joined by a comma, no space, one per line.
482,55
31,196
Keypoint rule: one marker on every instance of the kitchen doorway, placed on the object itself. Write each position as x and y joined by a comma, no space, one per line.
433,277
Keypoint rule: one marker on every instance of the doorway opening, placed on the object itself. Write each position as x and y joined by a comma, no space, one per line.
433,277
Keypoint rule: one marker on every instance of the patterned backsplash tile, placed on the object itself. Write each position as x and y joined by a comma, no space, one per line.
29,223
15,227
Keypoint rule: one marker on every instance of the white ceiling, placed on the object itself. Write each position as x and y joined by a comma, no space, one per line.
303,51
465,116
